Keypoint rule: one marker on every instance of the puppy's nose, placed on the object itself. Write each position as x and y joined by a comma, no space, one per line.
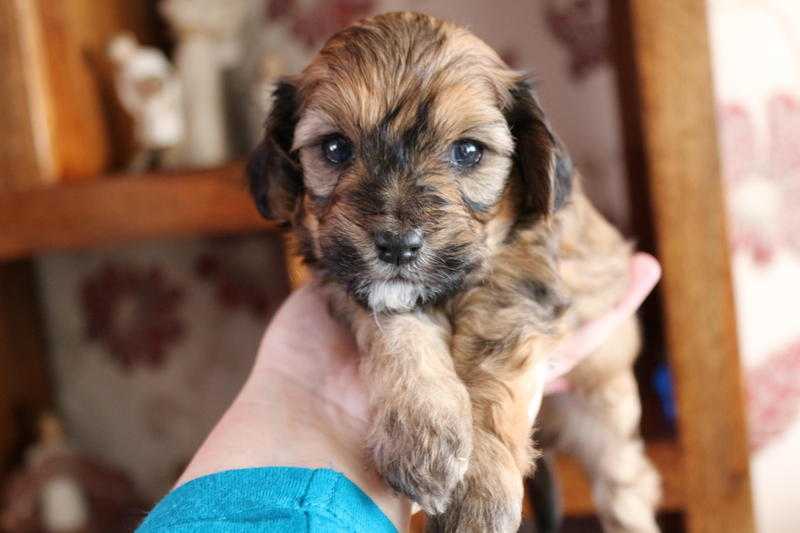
397,248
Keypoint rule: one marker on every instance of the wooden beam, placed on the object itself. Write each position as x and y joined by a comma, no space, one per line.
114,209
24,390
673,75
25,155
24,385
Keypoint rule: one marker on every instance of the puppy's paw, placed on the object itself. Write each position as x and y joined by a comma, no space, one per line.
628,502
422,453
482,505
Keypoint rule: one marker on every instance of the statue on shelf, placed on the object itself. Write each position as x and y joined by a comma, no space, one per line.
150,92
208,46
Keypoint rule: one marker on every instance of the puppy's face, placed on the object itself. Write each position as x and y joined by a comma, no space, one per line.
402,155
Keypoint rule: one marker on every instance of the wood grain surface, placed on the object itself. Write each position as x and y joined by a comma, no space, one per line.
24,388
89,133
116,209
680,145
25,154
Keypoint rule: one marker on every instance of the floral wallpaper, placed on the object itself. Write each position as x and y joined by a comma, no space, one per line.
150,342
758,104
132,312
312,22
582,27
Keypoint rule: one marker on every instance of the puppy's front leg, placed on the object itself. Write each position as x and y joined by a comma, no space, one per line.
421,434
489,497
496,335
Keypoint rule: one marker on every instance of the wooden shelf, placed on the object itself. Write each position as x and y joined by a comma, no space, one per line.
126,207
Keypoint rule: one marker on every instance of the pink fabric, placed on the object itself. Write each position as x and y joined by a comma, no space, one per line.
756,52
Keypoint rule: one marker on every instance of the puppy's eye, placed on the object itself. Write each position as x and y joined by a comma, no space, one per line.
466,153
337,150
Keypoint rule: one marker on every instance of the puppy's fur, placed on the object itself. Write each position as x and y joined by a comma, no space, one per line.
513,258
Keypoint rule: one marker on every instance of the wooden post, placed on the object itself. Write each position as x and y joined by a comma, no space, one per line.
673,76
23,388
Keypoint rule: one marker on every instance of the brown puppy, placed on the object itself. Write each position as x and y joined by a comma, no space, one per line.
427,192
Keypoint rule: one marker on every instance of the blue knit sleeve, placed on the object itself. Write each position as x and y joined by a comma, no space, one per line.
272,499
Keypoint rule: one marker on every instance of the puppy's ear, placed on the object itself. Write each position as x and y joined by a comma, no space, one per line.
540,159
274,174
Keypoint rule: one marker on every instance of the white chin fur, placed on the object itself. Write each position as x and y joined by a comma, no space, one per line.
393,295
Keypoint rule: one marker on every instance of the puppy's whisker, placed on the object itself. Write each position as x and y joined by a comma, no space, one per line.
376,320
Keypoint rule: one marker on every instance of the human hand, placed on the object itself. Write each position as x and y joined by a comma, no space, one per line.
305,405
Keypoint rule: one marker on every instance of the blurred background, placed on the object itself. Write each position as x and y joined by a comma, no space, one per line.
136,278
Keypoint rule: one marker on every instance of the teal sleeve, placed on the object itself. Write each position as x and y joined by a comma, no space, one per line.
272,499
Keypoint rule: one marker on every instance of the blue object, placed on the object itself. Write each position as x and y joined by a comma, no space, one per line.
662,383
271,499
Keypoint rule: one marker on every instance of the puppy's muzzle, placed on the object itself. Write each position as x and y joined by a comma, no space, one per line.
398,248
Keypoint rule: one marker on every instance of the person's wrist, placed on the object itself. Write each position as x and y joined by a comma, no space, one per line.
317,433
276,421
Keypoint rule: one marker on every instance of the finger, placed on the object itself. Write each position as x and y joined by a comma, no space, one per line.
557,385
644,274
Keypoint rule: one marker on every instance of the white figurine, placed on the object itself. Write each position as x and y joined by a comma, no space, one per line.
150,91
208,44
62,502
